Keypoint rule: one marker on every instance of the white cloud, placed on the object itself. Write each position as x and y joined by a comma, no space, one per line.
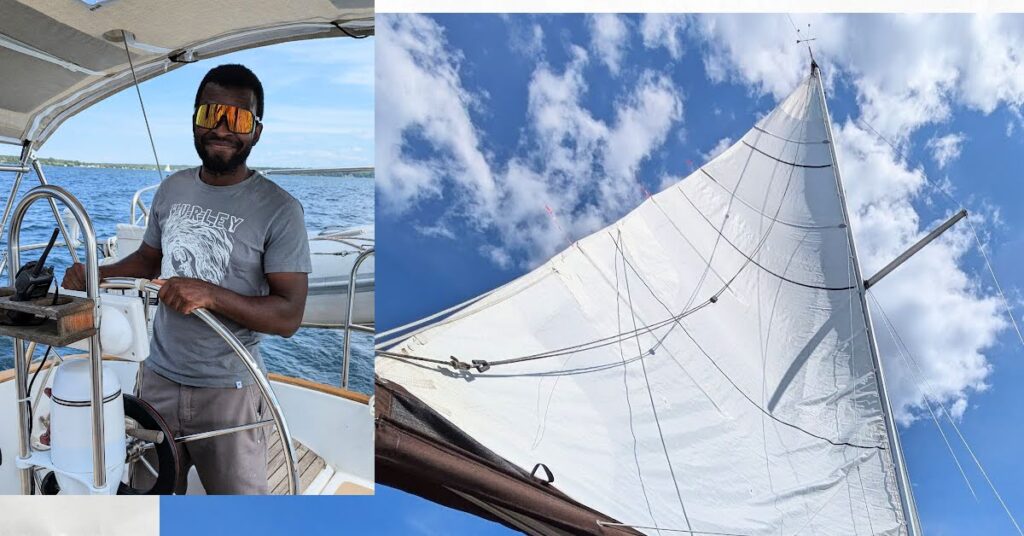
946,149
641,124
719,147
419,93
527,39
944,317
583,168
664,30
958,408
668,180
1018,119
498,255
753,49
906,76
440,229
575,172
608,37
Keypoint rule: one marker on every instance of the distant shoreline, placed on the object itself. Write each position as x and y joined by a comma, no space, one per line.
58,162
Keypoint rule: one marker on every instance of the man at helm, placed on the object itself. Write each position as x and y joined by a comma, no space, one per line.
224,238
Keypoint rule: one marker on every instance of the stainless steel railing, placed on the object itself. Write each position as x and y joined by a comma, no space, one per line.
349,324
137,203
52,193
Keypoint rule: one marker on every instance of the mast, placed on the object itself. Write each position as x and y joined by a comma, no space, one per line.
902,477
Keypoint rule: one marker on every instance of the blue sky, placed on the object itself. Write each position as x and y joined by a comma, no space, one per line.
501,139
318,111
388,512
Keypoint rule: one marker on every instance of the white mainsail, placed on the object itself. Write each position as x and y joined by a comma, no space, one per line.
702,365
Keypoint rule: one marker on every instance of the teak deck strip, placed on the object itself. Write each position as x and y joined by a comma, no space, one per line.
309,465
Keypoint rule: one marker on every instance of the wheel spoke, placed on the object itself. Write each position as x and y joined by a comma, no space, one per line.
148,467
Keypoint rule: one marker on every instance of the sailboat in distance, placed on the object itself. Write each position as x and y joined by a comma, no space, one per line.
705,365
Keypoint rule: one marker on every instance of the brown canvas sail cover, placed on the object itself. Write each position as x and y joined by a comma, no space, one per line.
421,452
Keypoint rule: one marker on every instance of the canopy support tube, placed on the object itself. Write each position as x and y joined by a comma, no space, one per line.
909,509
912,250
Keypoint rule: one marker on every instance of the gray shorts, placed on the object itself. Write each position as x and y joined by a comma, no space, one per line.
232,464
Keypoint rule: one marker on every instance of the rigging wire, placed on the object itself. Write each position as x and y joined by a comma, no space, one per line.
1006,304
850,263
977,238
802,226
736,387
131,65
650,392
949,418
482,365
797,30
898,341
589,345
382,349
749,258
629,404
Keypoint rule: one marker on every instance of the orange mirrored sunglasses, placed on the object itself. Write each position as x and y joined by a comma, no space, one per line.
238,120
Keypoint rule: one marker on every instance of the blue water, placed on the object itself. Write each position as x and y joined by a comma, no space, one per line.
314,354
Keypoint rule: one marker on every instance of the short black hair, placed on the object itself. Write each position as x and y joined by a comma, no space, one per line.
236,76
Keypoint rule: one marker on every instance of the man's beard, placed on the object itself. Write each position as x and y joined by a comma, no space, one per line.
215,163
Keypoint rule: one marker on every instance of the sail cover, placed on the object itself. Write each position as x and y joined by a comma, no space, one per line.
702,365
61,56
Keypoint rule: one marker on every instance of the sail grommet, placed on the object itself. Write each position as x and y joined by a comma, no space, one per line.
549,477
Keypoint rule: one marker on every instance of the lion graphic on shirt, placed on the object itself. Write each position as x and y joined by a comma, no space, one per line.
194,248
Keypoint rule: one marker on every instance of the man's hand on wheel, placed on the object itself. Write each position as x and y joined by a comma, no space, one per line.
74,277
185,294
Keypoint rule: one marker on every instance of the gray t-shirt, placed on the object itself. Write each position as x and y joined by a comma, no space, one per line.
231,236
